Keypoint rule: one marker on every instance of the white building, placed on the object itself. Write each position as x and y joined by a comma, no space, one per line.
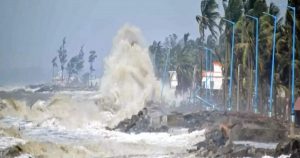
173,79
213,79
94,81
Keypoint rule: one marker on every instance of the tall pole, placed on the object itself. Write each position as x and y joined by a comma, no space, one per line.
256,62
207,50
231,64
210,76
273,62
293,66
238,90
164,74
206,70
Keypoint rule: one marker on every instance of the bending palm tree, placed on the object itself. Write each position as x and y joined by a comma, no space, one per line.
208,18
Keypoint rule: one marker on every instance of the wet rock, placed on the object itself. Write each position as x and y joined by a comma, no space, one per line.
10,147
252,151
291,146
2,106
215,144
210,154
240,151
137,123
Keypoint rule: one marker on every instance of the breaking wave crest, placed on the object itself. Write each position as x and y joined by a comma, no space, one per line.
126,86
129,80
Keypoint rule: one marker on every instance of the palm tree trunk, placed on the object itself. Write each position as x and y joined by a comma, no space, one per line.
250,89
62,74
201,69
275,101
69,76
52,73
288,99
262,103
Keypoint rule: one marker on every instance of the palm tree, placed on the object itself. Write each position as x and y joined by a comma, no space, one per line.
71,67
54,65
185,62
62,54
244,39
255,7
92,58
233,11
157,53
208,18
75,65
289,23
243,53
80,63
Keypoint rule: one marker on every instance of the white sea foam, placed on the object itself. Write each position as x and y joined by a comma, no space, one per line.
128,81
74,117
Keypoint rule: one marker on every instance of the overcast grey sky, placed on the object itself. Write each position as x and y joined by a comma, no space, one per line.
32,30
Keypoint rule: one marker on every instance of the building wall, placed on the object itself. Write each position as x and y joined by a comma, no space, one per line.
173,79
213,79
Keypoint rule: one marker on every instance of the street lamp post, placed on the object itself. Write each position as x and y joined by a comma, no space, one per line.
256,61
210,76
273,62
231,63
293,65
206,67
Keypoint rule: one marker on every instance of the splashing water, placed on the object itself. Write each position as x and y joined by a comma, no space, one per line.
127,84
71,117
129,79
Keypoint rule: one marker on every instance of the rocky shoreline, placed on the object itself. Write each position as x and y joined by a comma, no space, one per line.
224,132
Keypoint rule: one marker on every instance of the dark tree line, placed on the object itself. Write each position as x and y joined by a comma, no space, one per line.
186,56
74,65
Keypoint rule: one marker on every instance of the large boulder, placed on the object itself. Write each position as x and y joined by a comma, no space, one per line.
289,147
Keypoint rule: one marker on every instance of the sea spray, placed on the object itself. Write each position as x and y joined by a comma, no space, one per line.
128,80
127,84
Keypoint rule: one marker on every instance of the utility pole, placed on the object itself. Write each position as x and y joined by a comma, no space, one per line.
293,72
273,63
229,102
256,62
238,90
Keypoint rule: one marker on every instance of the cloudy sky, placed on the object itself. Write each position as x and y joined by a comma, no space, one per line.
32,30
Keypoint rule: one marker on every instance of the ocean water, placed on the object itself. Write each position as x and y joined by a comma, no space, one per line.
77,119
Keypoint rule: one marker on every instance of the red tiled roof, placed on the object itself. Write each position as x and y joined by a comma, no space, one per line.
217,63
297,104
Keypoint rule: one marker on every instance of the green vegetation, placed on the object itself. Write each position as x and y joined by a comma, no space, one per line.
187,54
54,65
62,54
74,66
92,58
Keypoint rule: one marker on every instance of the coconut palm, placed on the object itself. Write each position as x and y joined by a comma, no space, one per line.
54,65
62,54
185,62
75,65
157,53
289,23
208,17
80,63
92,58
